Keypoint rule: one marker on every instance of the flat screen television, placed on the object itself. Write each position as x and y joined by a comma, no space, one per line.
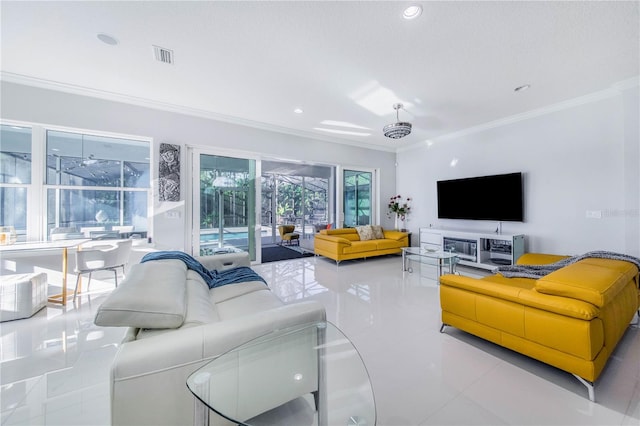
495,197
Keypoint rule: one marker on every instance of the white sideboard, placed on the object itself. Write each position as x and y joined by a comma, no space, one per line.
479,250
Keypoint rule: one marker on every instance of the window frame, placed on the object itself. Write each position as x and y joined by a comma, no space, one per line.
38,189
31,187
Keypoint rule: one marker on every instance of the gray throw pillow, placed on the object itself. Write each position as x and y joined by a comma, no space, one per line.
378,234
365,232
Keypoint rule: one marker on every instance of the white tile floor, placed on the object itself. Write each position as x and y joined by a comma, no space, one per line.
55,365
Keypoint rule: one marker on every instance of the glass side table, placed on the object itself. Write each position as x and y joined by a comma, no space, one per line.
440,259
313,367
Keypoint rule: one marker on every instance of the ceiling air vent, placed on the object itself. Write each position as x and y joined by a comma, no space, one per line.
163,55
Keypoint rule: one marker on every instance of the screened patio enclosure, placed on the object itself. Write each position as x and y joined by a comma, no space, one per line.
296,194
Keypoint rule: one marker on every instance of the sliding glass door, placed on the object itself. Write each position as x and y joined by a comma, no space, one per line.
227,205
357,198
296,194
226,194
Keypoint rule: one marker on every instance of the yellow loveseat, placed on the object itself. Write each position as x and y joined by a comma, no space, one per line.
344,244
571,318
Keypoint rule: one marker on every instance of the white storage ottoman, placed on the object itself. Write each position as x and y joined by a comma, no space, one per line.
22,295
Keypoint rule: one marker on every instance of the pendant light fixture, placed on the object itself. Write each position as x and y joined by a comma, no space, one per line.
399,129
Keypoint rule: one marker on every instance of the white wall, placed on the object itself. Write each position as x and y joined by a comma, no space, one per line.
576,157
43,106
632,169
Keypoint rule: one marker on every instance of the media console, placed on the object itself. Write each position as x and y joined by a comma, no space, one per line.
480,250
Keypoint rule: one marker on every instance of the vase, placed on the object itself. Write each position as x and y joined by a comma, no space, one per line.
7,235
397,220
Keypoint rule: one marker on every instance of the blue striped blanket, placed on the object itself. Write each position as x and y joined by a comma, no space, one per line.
213,278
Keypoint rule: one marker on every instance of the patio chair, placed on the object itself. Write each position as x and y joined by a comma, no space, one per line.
287,234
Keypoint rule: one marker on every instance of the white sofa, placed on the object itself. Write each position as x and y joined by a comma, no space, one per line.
177,324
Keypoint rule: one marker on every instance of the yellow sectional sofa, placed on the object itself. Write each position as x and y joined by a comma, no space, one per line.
571,318
344,244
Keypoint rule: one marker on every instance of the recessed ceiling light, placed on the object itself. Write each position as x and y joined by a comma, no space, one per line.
522,88
412,12
298,111
107,39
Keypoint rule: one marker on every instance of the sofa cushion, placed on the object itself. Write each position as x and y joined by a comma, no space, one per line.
200,308
586,280
625,268
361,246
250,303
378,233
365,232
228,292
526,283
152,296
388,244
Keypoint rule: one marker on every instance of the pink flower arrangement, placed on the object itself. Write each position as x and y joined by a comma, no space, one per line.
399,207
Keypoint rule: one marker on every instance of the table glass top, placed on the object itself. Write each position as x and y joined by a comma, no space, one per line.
436,254
281,378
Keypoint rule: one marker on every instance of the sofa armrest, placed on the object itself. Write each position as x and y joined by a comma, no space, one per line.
225,261
583,280
395,235
333,239
153,371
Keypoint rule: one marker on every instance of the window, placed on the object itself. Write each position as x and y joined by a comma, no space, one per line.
357,198
96,181
15,177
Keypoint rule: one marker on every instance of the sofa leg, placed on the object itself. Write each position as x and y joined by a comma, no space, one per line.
442,327
590,387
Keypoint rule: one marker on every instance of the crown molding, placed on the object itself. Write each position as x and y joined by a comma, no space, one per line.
560,106
614,90
629,83
180,109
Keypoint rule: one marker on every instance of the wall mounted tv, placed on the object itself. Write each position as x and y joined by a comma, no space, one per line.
495,197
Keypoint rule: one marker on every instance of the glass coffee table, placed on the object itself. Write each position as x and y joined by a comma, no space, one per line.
438,258
305,375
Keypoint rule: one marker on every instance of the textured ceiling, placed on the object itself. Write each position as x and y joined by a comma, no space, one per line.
344,63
